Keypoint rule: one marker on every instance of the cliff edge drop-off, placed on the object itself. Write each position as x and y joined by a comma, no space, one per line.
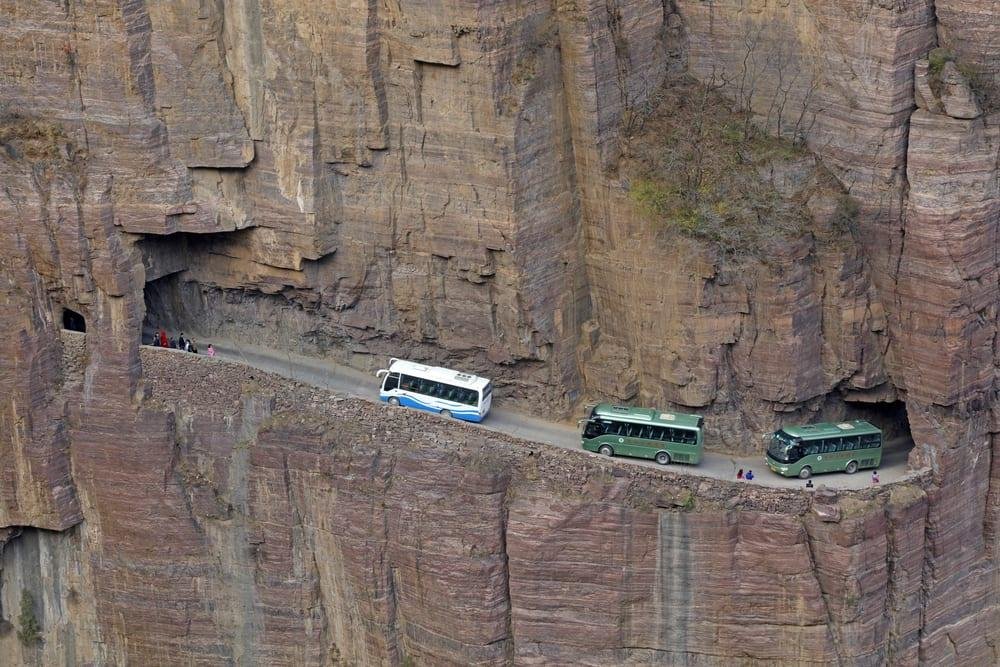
762,211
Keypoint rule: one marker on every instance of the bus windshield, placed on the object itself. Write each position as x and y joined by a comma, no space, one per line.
784,448
595,428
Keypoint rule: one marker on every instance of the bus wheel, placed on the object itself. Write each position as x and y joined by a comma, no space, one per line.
446,414
805,473
393,401
663,458
851,468
606,450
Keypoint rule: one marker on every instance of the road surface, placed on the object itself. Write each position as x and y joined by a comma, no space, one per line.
345,380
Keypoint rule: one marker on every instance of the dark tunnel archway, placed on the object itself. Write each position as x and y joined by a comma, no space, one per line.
891,417
73,321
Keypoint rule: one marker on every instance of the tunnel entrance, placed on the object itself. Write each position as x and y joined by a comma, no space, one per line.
892,418
165,308
74,321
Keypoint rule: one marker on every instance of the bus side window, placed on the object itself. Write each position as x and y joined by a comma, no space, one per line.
391,382
656,432
851,443
405,382
812,448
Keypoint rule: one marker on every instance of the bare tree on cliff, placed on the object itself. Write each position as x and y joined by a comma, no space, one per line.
707,95
765,51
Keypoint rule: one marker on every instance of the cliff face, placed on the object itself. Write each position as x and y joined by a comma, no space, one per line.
460,183
239,517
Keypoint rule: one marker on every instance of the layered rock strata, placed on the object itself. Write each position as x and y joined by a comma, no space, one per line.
287,525
447,183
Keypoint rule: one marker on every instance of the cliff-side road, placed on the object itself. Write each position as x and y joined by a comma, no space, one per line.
342,379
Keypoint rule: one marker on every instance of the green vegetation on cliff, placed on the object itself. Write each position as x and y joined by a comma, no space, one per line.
30,632
703,170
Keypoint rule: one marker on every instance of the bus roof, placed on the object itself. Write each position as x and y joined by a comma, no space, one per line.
828,429
438,374
646,416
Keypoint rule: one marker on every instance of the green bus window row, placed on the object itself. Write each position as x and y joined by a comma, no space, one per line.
830,445
596,429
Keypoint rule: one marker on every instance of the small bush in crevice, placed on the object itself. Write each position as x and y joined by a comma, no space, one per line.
30,632
982,84
845,219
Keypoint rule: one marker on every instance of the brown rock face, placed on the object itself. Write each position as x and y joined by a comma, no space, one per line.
471,183
36,487
291,526
970,28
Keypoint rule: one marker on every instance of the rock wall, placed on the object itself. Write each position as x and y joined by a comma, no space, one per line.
287,525
450,182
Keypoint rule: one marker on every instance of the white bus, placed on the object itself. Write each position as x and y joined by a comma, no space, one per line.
448,392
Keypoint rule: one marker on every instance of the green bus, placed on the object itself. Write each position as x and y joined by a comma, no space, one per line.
800,451
644,433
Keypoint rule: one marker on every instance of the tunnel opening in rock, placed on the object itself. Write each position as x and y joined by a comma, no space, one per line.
73,321
172,294
892,418
165,308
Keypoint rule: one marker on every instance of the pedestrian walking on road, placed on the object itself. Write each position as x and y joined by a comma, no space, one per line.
749,476
156,340
739,475
809,484
163,338
171,342
181,343
874,476
210,351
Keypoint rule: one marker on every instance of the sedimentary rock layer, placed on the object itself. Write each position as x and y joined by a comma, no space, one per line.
450,182
283,524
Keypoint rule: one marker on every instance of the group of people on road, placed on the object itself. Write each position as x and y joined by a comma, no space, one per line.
748,476
160,339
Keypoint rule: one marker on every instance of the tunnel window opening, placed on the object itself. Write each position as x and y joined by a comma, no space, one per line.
74,321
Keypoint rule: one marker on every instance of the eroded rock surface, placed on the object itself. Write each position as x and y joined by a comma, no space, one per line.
451,183
283,524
